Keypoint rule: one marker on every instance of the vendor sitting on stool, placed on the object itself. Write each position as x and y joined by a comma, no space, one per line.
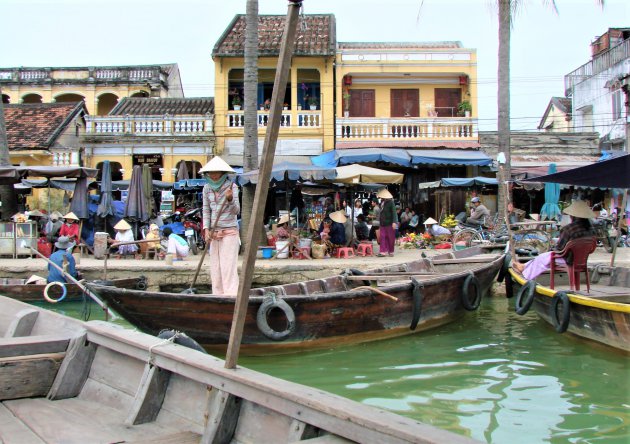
124,234
436,230
64,259
176,245
333,232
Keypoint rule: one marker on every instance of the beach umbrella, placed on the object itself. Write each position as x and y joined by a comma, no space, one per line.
551,210
135,207
182,171
147,189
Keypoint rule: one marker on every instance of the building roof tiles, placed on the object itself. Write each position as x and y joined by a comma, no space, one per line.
140,106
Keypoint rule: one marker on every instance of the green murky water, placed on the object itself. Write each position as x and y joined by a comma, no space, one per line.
494,376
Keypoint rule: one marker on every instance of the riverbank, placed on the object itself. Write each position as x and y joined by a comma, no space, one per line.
267,271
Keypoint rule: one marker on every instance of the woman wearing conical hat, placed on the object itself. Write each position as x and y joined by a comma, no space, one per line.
580,227
124,234
70,228
221,206
387,221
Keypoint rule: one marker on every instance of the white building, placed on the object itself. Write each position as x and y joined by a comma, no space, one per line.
595,89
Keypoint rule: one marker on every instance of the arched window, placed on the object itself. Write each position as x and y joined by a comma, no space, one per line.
140,94
192,166
6,99
115,168
32,98
65,98
106,103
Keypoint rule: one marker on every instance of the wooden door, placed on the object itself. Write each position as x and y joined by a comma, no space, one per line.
362,103
405,103
447,101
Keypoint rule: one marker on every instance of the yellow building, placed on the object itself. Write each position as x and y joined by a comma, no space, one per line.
557,116
158,132
307,127
100,87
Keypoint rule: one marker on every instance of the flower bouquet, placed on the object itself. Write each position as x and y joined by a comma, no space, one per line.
413,240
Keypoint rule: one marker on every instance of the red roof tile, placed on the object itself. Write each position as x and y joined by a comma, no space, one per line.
316,36
35,126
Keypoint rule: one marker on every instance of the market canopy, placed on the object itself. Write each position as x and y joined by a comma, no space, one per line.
56,171
449,157
610,173
121,185
363,174
9,174
286,170
402,157
459,182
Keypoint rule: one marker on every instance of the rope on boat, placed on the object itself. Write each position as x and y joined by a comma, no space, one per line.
163,342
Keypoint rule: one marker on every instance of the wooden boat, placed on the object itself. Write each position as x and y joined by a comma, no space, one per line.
66,381
20,290
601,315
325,312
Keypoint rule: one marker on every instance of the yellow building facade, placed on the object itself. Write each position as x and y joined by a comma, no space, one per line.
100,88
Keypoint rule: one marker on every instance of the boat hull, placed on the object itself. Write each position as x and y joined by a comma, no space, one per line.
604,319
17,289
329,311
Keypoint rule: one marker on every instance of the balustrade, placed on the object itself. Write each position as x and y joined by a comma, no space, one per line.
412,129
146,126
308,119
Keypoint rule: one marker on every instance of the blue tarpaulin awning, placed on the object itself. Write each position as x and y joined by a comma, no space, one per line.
468,181
292,171
403,157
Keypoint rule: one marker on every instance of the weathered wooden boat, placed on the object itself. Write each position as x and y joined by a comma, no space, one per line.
20,290
66,381
601,315
350,307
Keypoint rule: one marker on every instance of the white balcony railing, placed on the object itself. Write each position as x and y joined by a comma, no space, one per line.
149,125
460,128
300,119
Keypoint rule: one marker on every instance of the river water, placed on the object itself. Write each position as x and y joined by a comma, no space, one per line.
494,376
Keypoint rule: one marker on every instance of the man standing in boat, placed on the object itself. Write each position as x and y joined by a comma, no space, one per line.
220,226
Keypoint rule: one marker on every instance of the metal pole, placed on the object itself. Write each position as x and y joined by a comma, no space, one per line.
264,175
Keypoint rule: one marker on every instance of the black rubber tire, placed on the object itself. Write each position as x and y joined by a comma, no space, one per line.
417,306
509,286
141,285
560,324
263,325
355,272
182,339
507,259
525,298
193,246
469,304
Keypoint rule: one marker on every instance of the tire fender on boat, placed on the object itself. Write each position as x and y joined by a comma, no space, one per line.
525,298
181,339
355,272
507,259
560,323
142,283
263,324
53,284
509,286
417,303
468,303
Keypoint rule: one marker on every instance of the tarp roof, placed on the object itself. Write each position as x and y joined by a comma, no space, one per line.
291,171
403,157
364,174
459,182
610,173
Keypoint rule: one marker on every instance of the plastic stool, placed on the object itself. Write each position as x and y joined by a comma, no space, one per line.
344,252
365,249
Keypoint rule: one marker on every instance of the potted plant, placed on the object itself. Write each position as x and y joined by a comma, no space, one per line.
464,109
312,103
236,102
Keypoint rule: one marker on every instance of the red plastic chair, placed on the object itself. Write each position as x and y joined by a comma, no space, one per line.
579,250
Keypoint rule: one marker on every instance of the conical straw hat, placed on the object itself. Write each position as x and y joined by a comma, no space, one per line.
339,217
122,225
579,208
71,215
430,221
217,164
384,194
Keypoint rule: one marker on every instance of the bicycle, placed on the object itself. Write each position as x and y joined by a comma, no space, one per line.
467,235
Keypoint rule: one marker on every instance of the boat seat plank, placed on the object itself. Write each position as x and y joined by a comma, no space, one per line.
150,395
74,369
33,345
72,420
22,323
176,438
391,277
13,431
28,376
468,260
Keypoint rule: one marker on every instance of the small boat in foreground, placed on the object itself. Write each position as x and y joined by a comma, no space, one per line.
67,381
351,307
26,292
601,315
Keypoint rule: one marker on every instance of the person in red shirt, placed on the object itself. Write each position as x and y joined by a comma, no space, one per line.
70,228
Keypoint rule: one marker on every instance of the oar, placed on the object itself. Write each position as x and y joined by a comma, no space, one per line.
79,284
191,290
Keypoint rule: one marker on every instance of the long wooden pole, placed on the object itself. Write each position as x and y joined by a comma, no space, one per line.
624,202
79,284
269,150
